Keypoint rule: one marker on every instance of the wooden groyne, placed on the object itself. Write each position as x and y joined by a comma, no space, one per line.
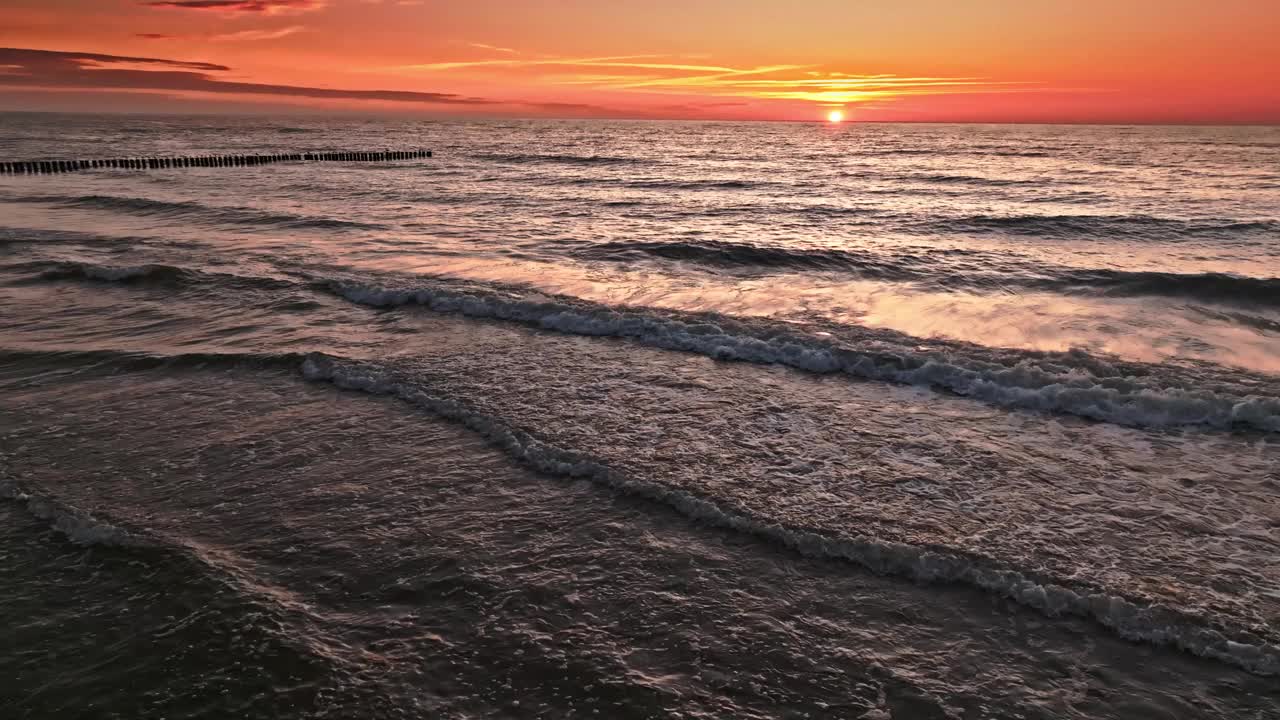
41,167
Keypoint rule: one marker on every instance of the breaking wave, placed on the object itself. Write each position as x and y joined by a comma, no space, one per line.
1074,383
233,602
1128,618
1028,383
78,526
1208,636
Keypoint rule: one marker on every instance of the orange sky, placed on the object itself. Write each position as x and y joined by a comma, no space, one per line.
926,60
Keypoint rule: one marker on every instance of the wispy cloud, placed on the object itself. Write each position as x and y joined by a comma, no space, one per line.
237,36
494,48
254,35
270,7
614,61
721,76
668,75
835,89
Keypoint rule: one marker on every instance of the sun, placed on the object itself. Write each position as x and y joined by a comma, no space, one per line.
835,116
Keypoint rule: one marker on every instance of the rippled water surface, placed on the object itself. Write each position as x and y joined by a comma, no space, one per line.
606,419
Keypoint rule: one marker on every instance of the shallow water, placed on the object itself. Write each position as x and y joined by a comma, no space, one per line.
643,420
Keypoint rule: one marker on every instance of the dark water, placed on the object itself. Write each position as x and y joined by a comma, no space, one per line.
642,420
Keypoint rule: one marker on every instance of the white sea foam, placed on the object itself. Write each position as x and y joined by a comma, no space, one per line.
1128,619
1028,384
78,526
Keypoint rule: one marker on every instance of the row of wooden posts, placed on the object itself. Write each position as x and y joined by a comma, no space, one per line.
159,163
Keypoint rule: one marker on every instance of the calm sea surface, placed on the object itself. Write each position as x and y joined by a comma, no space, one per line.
641,420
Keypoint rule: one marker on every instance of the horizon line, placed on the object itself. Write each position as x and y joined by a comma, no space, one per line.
551,118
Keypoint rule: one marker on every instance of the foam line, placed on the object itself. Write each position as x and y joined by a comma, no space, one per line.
1025,385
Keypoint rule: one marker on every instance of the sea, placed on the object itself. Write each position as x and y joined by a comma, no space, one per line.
605,419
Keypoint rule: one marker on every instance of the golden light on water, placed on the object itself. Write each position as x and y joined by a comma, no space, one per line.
835,116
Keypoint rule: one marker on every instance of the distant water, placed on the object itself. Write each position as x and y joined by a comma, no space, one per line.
641,420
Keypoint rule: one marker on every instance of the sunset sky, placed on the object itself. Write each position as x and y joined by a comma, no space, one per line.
919,60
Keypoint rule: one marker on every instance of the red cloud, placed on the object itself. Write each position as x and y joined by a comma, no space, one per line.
250,6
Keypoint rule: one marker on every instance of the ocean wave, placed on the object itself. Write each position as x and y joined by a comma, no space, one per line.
139,361
974,180
128,273
1027,384
667,184
744,255
1204,286
533,159
79,527
234,602
1072,197
177,208
905,151
45,236
147,273
968,151
1072,383
1104,226
929,273
920,269
1238,318
699,184
1129,618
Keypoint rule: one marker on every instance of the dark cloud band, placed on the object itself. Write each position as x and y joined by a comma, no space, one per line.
76,70
251,6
